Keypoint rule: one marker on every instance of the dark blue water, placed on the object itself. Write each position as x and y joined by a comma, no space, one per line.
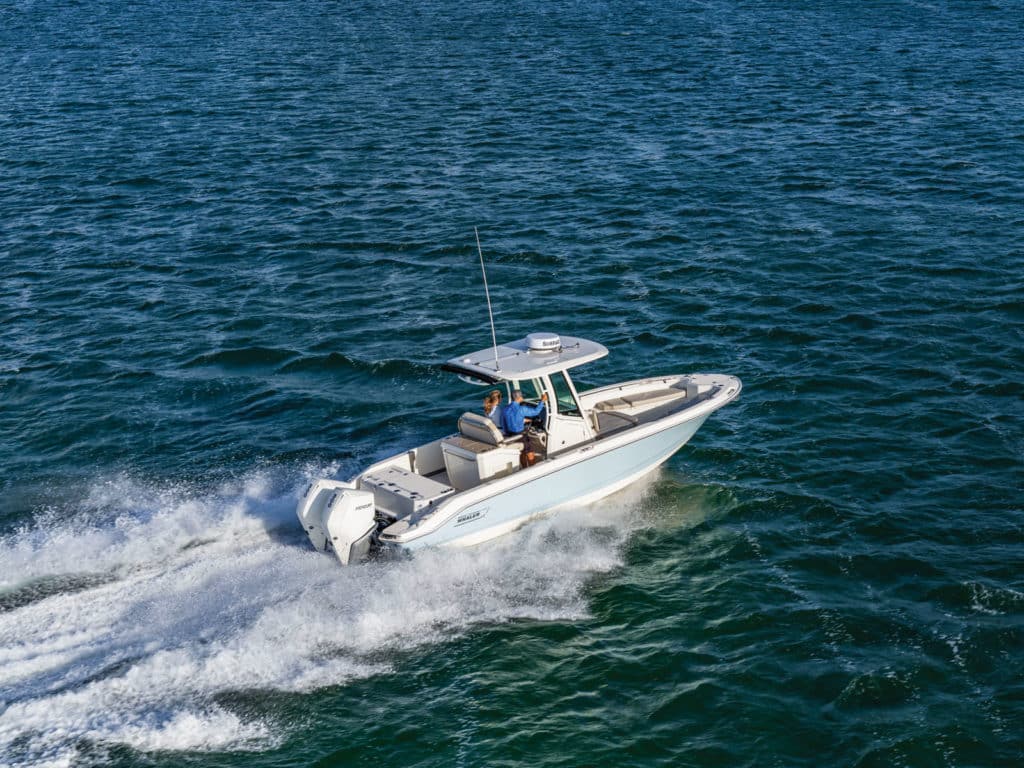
235,239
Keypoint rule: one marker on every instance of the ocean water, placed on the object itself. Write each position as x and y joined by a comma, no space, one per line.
236,238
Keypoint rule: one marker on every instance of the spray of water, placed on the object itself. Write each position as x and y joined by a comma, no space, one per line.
122,621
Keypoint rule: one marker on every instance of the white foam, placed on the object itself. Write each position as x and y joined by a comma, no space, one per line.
124,523
207,594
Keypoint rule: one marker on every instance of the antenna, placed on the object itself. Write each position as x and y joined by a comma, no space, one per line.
487,292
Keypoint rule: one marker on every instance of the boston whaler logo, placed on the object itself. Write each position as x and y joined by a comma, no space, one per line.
467,517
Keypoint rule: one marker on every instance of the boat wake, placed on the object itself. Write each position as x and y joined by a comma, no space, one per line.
128,622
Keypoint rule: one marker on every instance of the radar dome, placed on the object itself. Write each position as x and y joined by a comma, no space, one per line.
543,342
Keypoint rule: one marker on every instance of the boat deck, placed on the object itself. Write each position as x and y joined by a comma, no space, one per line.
618,414
636,410
420,479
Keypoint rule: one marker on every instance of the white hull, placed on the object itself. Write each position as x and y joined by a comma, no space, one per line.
494,532
582,476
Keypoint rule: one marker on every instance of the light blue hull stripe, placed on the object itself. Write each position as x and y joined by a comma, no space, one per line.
586,477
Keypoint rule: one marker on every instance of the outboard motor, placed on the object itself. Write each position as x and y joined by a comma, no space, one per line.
350,520
337,516
311,509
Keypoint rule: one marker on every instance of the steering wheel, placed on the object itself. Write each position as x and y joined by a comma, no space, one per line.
540,421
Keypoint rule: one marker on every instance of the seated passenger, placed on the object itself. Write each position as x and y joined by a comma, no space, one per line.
514,419
492,407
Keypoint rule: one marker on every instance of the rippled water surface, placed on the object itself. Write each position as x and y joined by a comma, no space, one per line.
236,238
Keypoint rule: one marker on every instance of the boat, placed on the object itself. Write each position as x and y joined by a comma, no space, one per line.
473,485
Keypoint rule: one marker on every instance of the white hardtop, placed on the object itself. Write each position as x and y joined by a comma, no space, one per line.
521,359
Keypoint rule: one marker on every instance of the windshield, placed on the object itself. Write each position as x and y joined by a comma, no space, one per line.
567,405
531,389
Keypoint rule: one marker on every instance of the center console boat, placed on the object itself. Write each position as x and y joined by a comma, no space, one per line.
470,486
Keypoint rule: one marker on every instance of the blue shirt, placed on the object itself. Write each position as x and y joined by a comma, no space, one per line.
514,415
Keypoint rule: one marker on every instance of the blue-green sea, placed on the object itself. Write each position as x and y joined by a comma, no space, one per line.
237,238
